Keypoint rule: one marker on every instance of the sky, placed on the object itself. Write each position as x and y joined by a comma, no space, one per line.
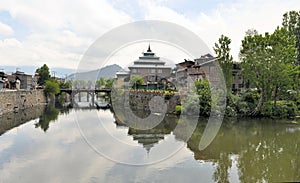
59,32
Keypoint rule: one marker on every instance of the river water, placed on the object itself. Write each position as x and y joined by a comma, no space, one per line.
90,145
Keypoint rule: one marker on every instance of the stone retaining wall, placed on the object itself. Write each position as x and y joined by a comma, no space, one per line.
12,100
141,100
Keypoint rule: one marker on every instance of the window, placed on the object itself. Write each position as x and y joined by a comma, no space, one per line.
152,71
159,71
134,71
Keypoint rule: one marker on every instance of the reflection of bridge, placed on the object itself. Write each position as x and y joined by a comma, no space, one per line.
89,93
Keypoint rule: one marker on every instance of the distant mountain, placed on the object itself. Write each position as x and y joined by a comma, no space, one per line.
106,72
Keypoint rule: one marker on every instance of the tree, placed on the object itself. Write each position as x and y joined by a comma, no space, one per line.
51,88
291,21
101,82
283,55
267,61
109,83
204,94
65,85
44,74
222,50
136,80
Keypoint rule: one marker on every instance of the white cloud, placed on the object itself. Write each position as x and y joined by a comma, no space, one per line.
231,19
59,32
5,30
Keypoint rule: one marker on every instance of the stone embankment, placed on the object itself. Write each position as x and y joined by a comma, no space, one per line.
141,101
13,100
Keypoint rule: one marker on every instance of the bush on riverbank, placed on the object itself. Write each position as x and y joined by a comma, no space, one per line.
282,109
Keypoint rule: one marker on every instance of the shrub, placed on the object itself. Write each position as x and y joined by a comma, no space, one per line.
282,109
178,109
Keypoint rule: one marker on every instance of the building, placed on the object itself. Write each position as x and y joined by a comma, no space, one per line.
3,79
189,71
238,79
26,81
204,67
149,66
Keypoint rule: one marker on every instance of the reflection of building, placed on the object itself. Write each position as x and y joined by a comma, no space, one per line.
148,138
149,66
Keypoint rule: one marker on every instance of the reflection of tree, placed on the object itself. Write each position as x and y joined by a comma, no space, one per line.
222,170
265,152
271,155
50,114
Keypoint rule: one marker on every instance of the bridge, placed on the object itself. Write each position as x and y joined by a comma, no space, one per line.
76,91
89,92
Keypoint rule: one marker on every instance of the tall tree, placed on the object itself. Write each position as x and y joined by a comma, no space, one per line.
283,54
267,62
291,21
44,74
222,50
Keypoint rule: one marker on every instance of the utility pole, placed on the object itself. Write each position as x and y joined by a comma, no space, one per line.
53,73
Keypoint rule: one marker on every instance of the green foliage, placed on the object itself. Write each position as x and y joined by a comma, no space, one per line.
51,88
101,83
222,50
105,83
44,74
178,109
109,83
246,102
282,109
136,80
267,62
50,114
204,94
65,85
291,21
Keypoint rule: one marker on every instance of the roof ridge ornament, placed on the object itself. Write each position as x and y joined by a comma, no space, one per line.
149,49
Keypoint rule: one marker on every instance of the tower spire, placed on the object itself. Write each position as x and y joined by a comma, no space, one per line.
149,49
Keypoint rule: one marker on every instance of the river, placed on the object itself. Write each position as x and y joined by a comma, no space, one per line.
90,145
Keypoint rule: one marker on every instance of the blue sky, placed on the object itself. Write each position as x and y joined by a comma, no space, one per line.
59,32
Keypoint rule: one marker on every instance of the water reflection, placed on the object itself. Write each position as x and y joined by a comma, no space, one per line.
50,114
265,151
243,151
12,120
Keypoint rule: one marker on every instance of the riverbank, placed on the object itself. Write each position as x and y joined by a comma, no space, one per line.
15,100
13,119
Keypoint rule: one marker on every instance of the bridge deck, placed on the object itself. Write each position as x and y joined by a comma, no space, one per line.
106,90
